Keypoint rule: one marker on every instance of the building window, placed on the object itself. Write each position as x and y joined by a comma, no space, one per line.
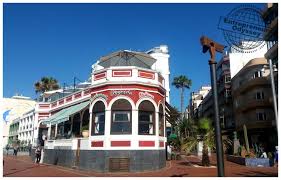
227,93
259,95
257,74
146,118
121,117
161,120
227,79
261,116
98,119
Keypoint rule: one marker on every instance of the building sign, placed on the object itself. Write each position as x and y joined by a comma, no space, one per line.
99,96
145,95
120,92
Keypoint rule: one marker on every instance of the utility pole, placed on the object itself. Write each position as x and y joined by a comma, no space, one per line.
273,92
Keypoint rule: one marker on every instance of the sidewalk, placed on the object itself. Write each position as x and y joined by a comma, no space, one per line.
23,166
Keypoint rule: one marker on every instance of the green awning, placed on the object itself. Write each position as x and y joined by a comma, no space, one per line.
64,114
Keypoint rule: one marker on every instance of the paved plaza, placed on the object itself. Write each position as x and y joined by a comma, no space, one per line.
188,166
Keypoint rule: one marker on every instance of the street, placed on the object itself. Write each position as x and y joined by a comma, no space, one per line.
188,166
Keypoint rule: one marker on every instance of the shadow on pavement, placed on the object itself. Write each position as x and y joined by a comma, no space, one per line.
28,168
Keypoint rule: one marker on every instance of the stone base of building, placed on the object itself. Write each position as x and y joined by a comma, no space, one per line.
107,160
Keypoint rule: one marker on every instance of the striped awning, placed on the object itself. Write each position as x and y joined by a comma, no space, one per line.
64,114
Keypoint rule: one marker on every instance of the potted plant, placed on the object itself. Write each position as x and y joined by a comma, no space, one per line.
85,131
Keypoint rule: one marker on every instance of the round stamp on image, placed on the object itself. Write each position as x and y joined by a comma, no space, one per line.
243,28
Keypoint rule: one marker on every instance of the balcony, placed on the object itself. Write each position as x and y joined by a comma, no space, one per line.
247,85
248,105
113,75
253,124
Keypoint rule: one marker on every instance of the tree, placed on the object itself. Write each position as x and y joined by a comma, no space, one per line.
46,84
203,132
181,82
186,128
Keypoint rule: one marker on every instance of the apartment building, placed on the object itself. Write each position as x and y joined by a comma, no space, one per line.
252,103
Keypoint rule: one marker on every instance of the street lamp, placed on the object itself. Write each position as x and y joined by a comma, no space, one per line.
212,47
273,92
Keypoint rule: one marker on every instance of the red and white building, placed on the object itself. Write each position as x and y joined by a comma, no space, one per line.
123,110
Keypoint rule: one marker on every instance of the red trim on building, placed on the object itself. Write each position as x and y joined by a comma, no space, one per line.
122,73
78,95
161,143
86,92
97,144
61,101
54,104
146,74
43,114
120,143
146,143
100,75
44,106
68,99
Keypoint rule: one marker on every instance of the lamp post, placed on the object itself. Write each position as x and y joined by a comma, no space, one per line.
212,47
273,92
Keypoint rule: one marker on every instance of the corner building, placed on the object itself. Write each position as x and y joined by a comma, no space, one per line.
124,111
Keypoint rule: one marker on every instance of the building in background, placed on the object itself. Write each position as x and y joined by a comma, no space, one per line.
196,99
224,95
13,131
12,108
238,59
252,104
27,128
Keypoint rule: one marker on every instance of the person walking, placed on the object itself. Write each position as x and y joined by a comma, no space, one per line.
16,148
38,154
29,149
7,149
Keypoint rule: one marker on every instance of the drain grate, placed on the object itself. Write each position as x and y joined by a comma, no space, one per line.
119,164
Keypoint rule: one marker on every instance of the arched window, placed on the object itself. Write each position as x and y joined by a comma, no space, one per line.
161,120
121,117
98,119
146,118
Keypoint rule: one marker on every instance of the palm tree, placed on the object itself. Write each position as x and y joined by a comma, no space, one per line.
186,128
203,132
46,84
181,82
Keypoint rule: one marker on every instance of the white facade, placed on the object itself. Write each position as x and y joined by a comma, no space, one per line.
238,59
198,97
17,106
161,54
27,127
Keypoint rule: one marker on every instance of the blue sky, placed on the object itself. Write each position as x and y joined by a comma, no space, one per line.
64,40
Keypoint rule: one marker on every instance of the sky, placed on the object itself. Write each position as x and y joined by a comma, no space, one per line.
64,40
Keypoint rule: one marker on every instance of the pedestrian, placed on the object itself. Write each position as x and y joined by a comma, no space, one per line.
276,156
29,149
7,149
38,154
16,148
